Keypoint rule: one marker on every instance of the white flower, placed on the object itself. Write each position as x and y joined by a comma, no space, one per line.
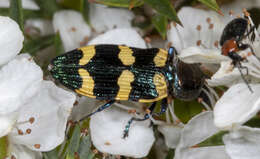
198,129
44,27
11,41
19,80
171,133
104,18
184,138
13,80
72,27
36,115
197,42
237,5
238,104
234,108
47,114
130,38
244,143
106,130
75,32
40,120
20,152
33,112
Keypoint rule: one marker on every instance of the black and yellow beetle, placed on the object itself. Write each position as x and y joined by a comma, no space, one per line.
118,72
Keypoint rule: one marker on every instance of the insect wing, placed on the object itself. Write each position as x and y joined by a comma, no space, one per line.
234,29
116,72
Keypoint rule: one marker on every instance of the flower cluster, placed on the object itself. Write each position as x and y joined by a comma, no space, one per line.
33,112
238,104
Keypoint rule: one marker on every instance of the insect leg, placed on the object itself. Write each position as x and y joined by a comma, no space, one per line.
243,77
164,106
252,30
146,116
245,46
101,108
248,32
236,58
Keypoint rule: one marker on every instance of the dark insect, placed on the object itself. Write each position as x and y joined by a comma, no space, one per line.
117,72
231,42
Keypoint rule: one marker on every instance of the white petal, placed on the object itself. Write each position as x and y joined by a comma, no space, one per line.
45,26
227,75
19,81
238,5
198,129
7,121
237,105
72,28
183,37
107,127
50,108
11,39
27,4
127,37
22,152
198,55
104,18
171,134
243,143
212,152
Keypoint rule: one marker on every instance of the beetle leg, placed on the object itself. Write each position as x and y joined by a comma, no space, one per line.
242,46
240,67
235,57
248,32
146,116
164,106
101,108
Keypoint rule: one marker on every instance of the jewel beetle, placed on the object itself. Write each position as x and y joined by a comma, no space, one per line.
231,42
118,72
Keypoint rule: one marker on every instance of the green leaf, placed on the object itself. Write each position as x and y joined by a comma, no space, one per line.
120,3
215,140
51,154
16,12
85,148
70,4
254,122
170,154
74,143
34,45
160,22
4,11
48,7
84,10
186,110
3,146
79,5
27,13
59,49
164,7
211,4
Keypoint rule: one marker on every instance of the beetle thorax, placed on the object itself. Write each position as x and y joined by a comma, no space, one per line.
229,46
